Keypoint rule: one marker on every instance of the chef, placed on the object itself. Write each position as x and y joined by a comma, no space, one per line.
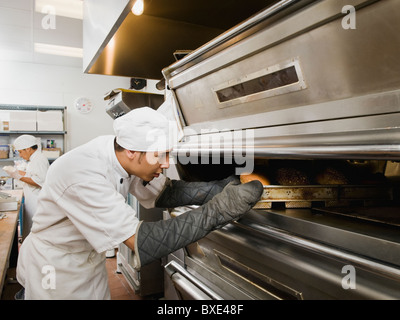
29,149
82,210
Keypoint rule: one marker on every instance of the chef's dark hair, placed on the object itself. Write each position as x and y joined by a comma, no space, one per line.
117,147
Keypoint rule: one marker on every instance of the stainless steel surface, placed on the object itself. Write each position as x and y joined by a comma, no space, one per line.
345,106
188,285
251,25
266,261
149,280
121,101
382,214
350,236
348,99
327,53
116,42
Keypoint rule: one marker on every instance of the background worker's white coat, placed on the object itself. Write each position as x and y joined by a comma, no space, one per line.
36,170
82,213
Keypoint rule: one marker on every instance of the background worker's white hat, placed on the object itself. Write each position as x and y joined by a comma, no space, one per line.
25,141
143,129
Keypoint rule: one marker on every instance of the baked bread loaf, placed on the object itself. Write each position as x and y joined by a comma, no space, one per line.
289,176
331,175
247,177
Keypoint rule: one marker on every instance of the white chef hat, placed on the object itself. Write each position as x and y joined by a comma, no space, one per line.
143,129
25,141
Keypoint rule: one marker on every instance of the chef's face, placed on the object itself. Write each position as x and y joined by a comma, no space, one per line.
25,153
151,164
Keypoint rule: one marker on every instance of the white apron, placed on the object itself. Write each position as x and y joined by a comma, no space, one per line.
36,170
82,212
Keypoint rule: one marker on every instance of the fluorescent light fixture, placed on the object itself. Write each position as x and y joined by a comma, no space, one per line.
58,50
65,8
138,7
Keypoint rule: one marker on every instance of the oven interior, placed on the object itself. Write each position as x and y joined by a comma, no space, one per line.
359,190
299,244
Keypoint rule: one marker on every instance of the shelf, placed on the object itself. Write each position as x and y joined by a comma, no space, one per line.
34,132
58,135
14,159
9,159
29,107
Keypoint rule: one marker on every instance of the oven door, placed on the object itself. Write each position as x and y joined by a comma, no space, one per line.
188,287
253,259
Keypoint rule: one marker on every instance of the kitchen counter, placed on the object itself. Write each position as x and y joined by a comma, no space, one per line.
8,228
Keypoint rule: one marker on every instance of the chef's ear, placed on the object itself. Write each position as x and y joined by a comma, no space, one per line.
131,154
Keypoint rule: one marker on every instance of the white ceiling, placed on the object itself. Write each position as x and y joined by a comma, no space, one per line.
21,27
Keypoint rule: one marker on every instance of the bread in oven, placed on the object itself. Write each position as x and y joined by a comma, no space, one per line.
247,177
330,175
289,176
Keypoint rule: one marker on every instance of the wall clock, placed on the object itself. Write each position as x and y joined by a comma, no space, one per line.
83,105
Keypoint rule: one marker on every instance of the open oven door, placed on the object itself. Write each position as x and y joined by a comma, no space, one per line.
188,287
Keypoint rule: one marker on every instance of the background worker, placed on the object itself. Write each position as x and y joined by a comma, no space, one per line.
29,149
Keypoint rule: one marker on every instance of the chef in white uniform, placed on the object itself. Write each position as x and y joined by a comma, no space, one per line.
34,177
82,210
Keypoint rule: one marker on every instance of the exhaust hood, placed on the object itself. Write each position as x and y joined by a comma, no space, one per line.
116,42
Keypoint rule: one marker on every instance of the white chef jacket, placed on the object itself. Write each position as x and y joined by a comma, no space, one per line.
36,170
82,212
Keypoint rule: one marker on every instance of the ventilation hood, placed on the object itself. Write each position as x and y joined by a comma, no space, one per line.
116,42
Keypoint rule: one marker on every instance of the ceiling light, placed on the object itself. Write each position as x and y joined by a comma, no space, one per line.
65,8
58,50
138,7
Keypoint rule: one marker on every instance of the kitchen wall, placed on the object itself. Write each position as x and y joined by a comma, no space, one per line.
52,85
49,85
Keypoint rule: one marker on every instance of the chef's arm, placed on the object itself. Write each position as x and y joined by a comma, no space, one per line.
130,243
28,180
154,240
178,193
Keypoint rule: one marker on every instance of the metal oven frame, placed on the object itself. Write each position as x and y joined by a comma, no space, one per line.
345,106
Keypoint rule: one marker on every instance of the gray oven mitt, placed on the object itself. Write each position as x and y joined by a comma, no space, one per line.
178,193
154,240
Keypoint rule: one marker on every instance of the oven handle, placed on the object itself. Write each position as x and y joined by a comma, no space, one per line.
173,268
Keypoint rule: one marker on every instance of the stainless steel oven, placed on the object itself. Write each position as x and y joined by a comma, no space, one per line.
148,282
304,85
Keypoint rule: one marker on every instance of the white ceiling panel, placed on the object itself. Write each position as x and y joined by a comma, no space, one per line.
21,26
26,5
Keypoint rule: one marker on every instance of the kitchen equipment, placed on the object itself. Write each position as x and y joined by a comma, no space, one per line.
8,202
121,101
291,84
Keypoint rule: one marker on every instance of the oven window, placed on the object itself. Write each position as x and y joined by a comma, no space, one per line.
278,79
268,82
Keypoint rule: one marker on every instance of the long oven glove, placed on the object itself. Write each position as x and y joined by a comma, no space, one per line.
154,240
178,193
